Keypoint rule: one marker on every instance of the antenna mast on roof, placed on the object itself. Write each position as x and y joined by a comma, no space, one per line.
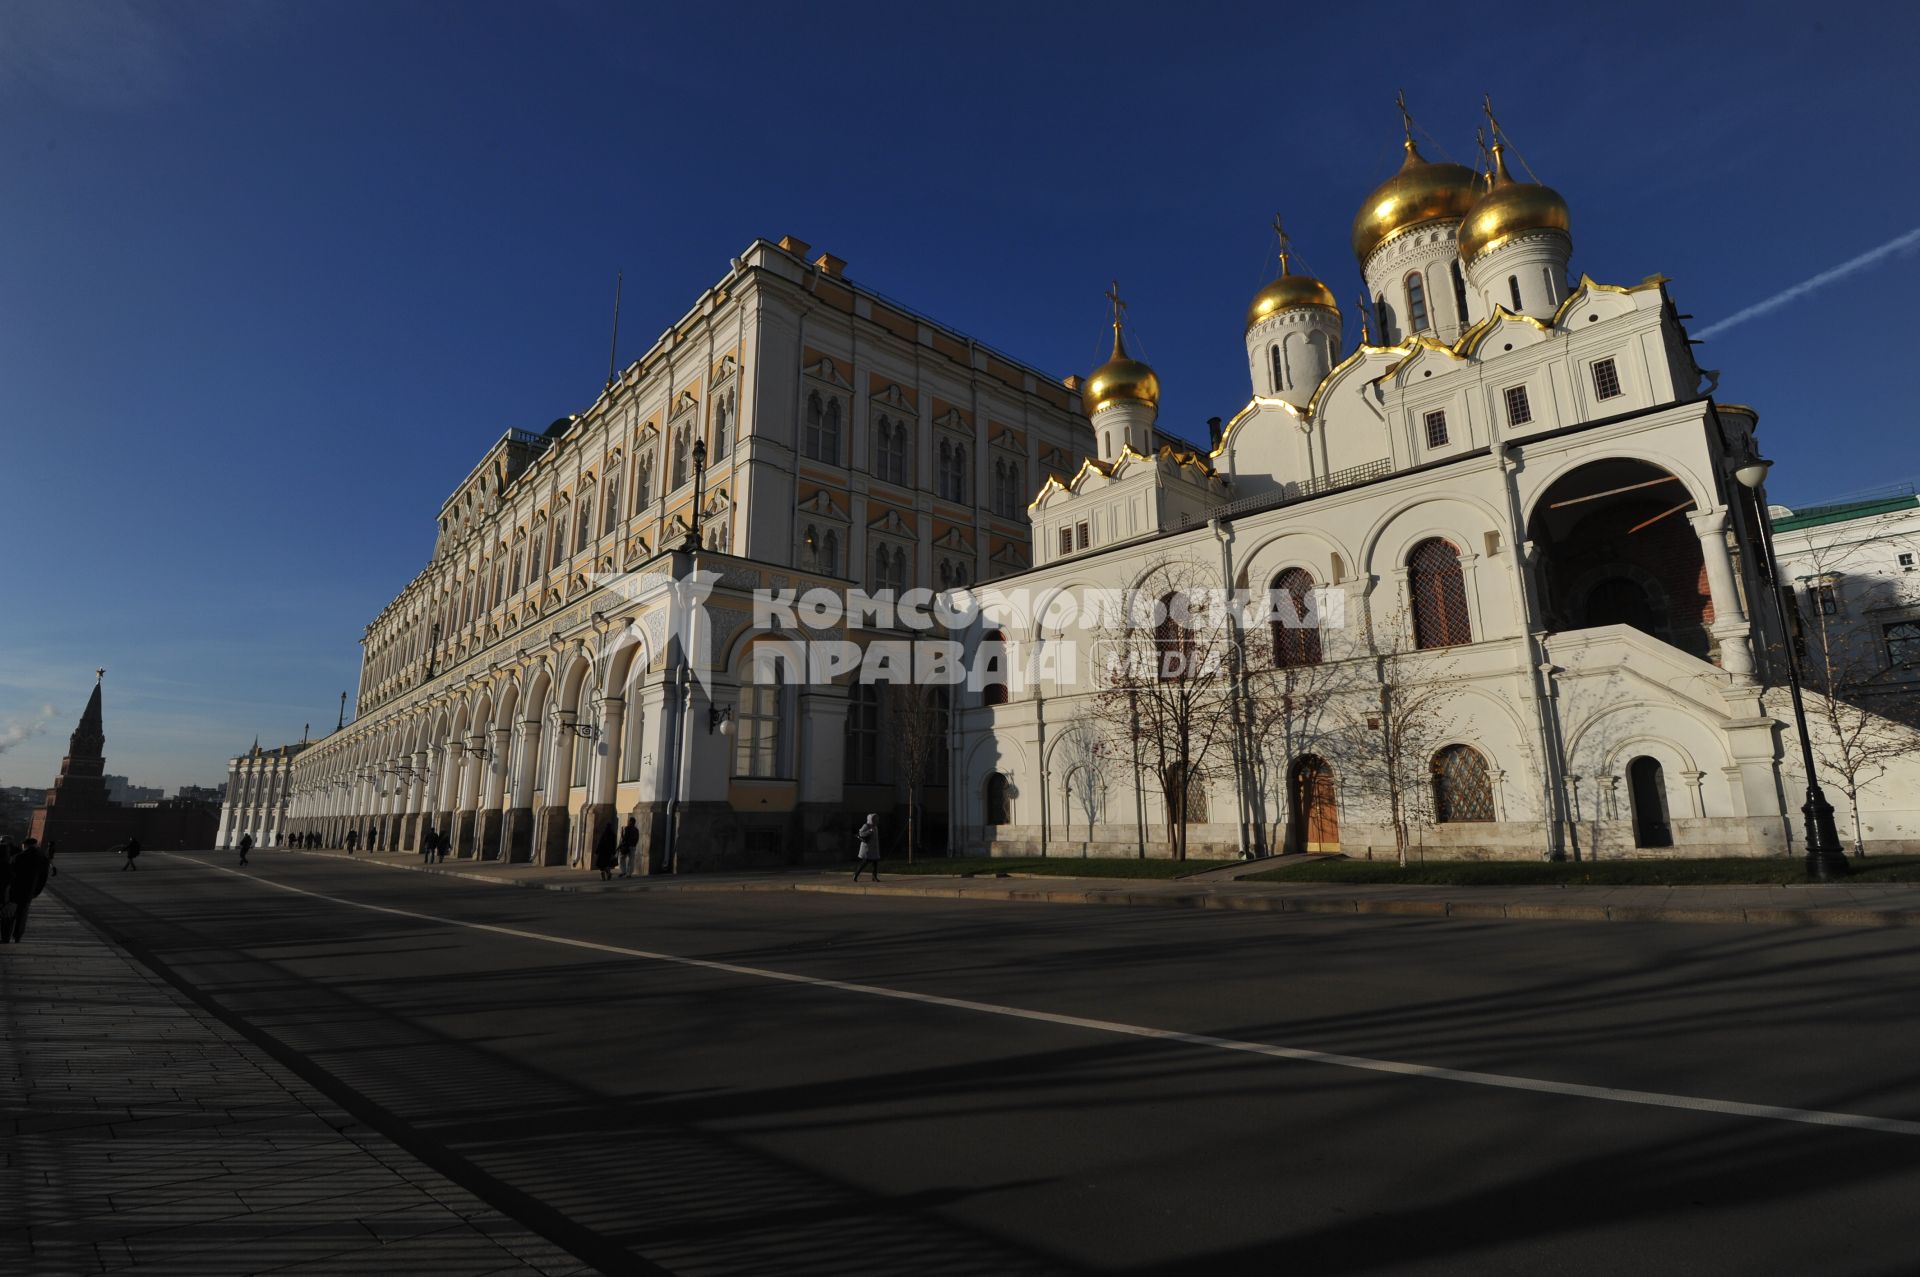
613,351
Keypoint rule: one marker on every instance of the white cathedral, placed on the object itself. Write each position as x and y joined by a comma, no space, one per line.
1519,498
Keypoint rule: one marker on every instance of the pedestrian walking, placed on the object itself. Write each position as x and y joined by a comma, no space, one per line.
26,878
426,841
373,840
606,852
246,845
353,836
131,850
629,845
869,848
52,851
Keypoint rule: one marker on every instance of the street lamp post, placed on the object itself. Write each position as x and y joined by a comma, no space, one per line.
1826,862
699,485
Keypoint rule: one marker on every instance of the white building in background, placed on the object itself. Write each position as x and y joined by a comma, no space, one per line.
1519,493
259,790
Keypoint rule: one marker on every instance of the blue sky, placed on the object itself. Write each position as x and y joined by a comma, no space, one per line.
276,274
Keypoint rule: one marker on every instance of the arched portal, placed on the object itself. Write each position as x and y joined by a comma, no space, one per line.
1647,791
1315,806
1615,548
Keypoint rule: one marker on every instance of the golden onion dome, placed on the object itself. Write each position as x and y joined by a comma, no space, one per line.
1420,192
1288,291
1121,379
1508,209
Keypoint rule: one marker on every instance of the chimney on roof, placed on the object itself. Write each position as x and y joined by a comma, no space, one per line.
798,247
829,265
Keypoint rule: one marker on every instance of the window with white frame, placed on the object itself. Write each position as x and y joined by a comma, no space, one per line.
1437,428
890,450
682,454
1416,302
820,434
757,748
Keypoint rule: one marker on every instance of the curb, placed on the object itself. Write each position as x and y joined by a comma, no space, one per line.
1019,892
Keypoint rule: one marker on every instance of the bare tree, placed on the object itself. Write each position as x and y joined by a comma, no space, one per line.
1392,720
1168,667
1086,753
1854,739
1292,694
918,713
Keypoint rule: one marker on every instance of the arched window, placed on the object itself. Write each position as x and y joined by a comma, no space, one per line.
1296,622
632,733
536,562
810,437
993,665
682,452
1546,278
1437,595
1106,442
1462,789
1513,287
614,476
1647,792
584,748
830,553
583,524
995,808
1416,303
1384,314
810,542
559,540
643,481
1459,292
1273,358
1173,638
722,424
760,748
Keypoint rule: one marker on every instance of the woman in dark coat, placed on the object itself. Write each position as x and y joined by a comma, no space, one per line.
606,852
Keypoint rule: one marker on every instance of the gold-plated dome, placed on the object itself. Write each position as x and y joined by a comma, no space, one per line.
1121,379
1420,192
1288,291
1509,208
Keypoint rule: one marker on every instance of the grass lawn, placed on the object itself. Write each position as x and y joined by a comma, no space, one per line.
1052,867
1604,873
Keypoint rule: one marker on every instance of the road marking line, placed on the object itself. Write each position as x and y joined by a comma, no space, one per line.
1613,1095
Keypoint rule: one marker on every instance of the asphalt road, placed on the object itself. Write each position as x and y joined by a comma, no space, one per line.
651,1114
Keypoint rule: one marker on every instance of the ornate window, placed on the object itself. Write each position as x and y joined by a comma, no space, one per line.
500,576
889,567
822,550
951,477
864,718
1437,595
1173,638
722,425
559,539
613,496
1462,789
643,482
820,439
583,523
890,451
1416,303
953,573
1903,643
682,453
1296,633
536,563
1007,487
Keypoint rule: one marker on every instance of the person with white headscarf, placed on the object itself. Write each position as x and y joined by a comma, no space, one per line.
869,848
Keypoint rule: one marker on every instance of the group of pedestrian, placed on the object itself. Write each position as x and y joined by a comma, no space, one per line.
434,845
616,852
27,868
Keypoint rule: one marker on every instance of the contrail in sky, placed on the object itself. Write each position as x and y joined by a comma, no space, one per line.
1899,244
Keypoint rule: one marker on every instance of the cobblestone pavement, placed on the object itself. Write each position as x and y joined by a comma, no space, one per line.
143,1135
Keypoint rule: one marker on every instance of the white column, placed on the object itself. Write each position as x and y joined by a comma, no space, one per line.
1729,618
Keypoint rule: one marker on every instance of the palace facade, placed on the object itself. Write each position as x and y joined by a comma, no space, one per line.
259,793
529,686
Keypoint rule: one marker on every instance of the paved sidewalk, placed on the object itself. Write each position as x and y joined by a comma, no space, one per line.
143,1135
1838,905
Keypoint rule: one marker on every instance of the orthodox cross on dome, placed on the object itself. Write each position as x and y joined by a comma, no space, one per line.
1366,334
100,674
1286,245
1406,116
1493,125
1118,306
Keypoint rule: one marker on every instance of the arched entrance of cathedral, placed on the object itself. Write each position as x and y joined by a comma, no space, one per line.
1315,806
1616,548
1647,792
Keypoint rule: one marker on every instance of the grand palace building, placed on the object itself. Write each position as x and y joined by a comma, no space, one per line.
792,430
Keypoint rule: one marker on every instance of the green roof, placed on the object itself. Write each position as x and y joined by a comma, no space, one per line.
1816,515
